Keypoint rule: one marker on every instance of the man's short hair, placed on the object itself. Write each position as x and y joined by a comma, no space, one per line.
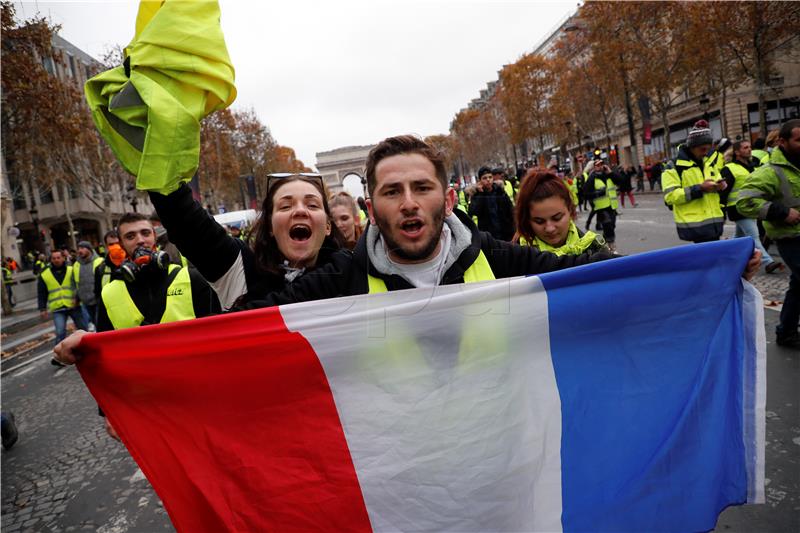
129,218
404,144
786,130
112,233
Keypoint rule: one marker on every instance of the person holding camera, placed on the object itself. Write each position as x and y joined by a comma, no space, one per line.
601,190
493,207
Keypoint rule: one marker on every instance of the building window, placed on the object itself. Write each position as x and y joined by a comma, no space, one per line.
48,64
46,196
72,70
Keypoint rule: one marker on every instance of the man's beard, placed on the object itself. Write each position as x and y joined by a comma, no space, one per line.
793,158
384,228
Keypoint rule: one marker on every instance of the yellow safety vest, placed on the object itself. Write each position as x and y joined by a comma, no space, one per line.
123,313
609,199
509,190
59,295
575,245
740,174
77,268
694,217
479,270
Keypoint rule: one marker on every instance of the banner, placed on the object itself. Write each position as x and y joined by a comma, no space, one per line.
626,395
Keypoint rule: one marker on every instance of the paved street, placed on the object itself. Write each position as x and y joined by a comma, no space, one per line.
66,474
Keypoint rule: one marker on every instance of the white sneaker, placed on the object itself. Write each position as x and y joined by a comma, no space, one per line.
92,328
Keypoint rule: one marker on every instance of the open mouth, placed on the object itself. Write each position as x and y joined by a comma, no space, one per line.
412,226
300,232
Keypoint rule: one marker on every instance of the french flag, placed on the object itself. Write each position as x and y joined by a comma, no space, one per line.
627,395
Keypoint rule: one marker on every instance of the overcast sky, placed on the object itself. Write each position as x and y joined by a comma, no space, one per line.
323,75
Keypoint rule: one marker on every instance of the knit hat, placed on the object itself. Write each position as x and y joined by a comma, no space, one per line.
85,244
699,135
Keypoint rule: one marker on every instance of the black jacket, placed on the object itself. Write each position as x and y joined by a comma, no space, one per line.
149,292
494,211
346,274
211,250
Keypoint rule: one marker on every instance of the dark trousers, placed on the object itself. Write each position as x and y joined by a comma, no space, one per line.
790,313
607,218
708,239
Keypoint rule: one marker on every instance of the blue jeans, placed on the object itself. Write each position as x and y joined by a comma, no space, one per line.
60,321
790,314
89,313
747,227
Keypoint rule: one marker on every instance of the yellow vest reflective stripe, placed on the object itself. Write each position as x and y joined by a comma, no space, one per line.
59,295
123,313
479,270
740,174
106,276
77,268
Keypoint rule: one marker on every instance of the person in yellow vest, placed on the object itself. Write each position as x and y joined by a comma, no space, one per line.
83,272
159,291
57,296
691,188
416,237
772,194
735,173
760,153
156,291
8,281
545,212
602,191
107,270
40,264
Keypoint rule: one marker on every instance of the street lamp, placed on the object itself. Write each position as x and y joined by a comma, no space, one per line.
130,195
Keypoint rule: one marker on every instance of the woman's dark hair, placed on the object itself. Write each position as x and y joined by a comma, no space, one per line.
538,185
268,257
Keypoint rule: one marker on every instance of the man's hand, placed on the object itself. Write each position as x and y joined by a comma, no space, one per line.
43,314
722,185
67,350
793,217
752,265
708,186
111,431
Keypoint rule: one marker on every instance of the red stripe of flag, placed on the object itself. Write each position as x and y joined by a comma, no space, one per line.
232,420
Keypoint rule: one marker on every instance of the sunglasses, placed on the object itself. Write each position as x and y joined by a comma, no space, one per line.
276,177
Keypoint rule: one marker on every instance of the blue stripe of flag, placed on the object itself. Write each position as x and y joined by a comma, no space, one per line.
648,354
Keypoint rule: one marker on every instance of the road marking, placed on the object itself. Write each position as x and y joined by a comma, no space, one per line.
23,372
60,371
28,362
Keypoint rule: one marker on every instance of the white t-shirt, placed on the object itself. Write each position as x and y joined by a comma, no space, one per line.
429,273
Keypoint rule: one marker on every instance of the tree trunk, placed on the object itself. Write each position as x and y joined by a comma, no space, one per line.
723,112
68,214
667,137
761,85
7,310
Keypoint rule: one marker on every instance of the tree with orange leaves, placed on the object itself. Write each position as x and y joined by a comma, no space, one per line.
525,89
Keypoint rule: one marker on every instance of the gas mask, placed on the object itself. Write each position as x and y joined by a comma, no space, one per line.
143,258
